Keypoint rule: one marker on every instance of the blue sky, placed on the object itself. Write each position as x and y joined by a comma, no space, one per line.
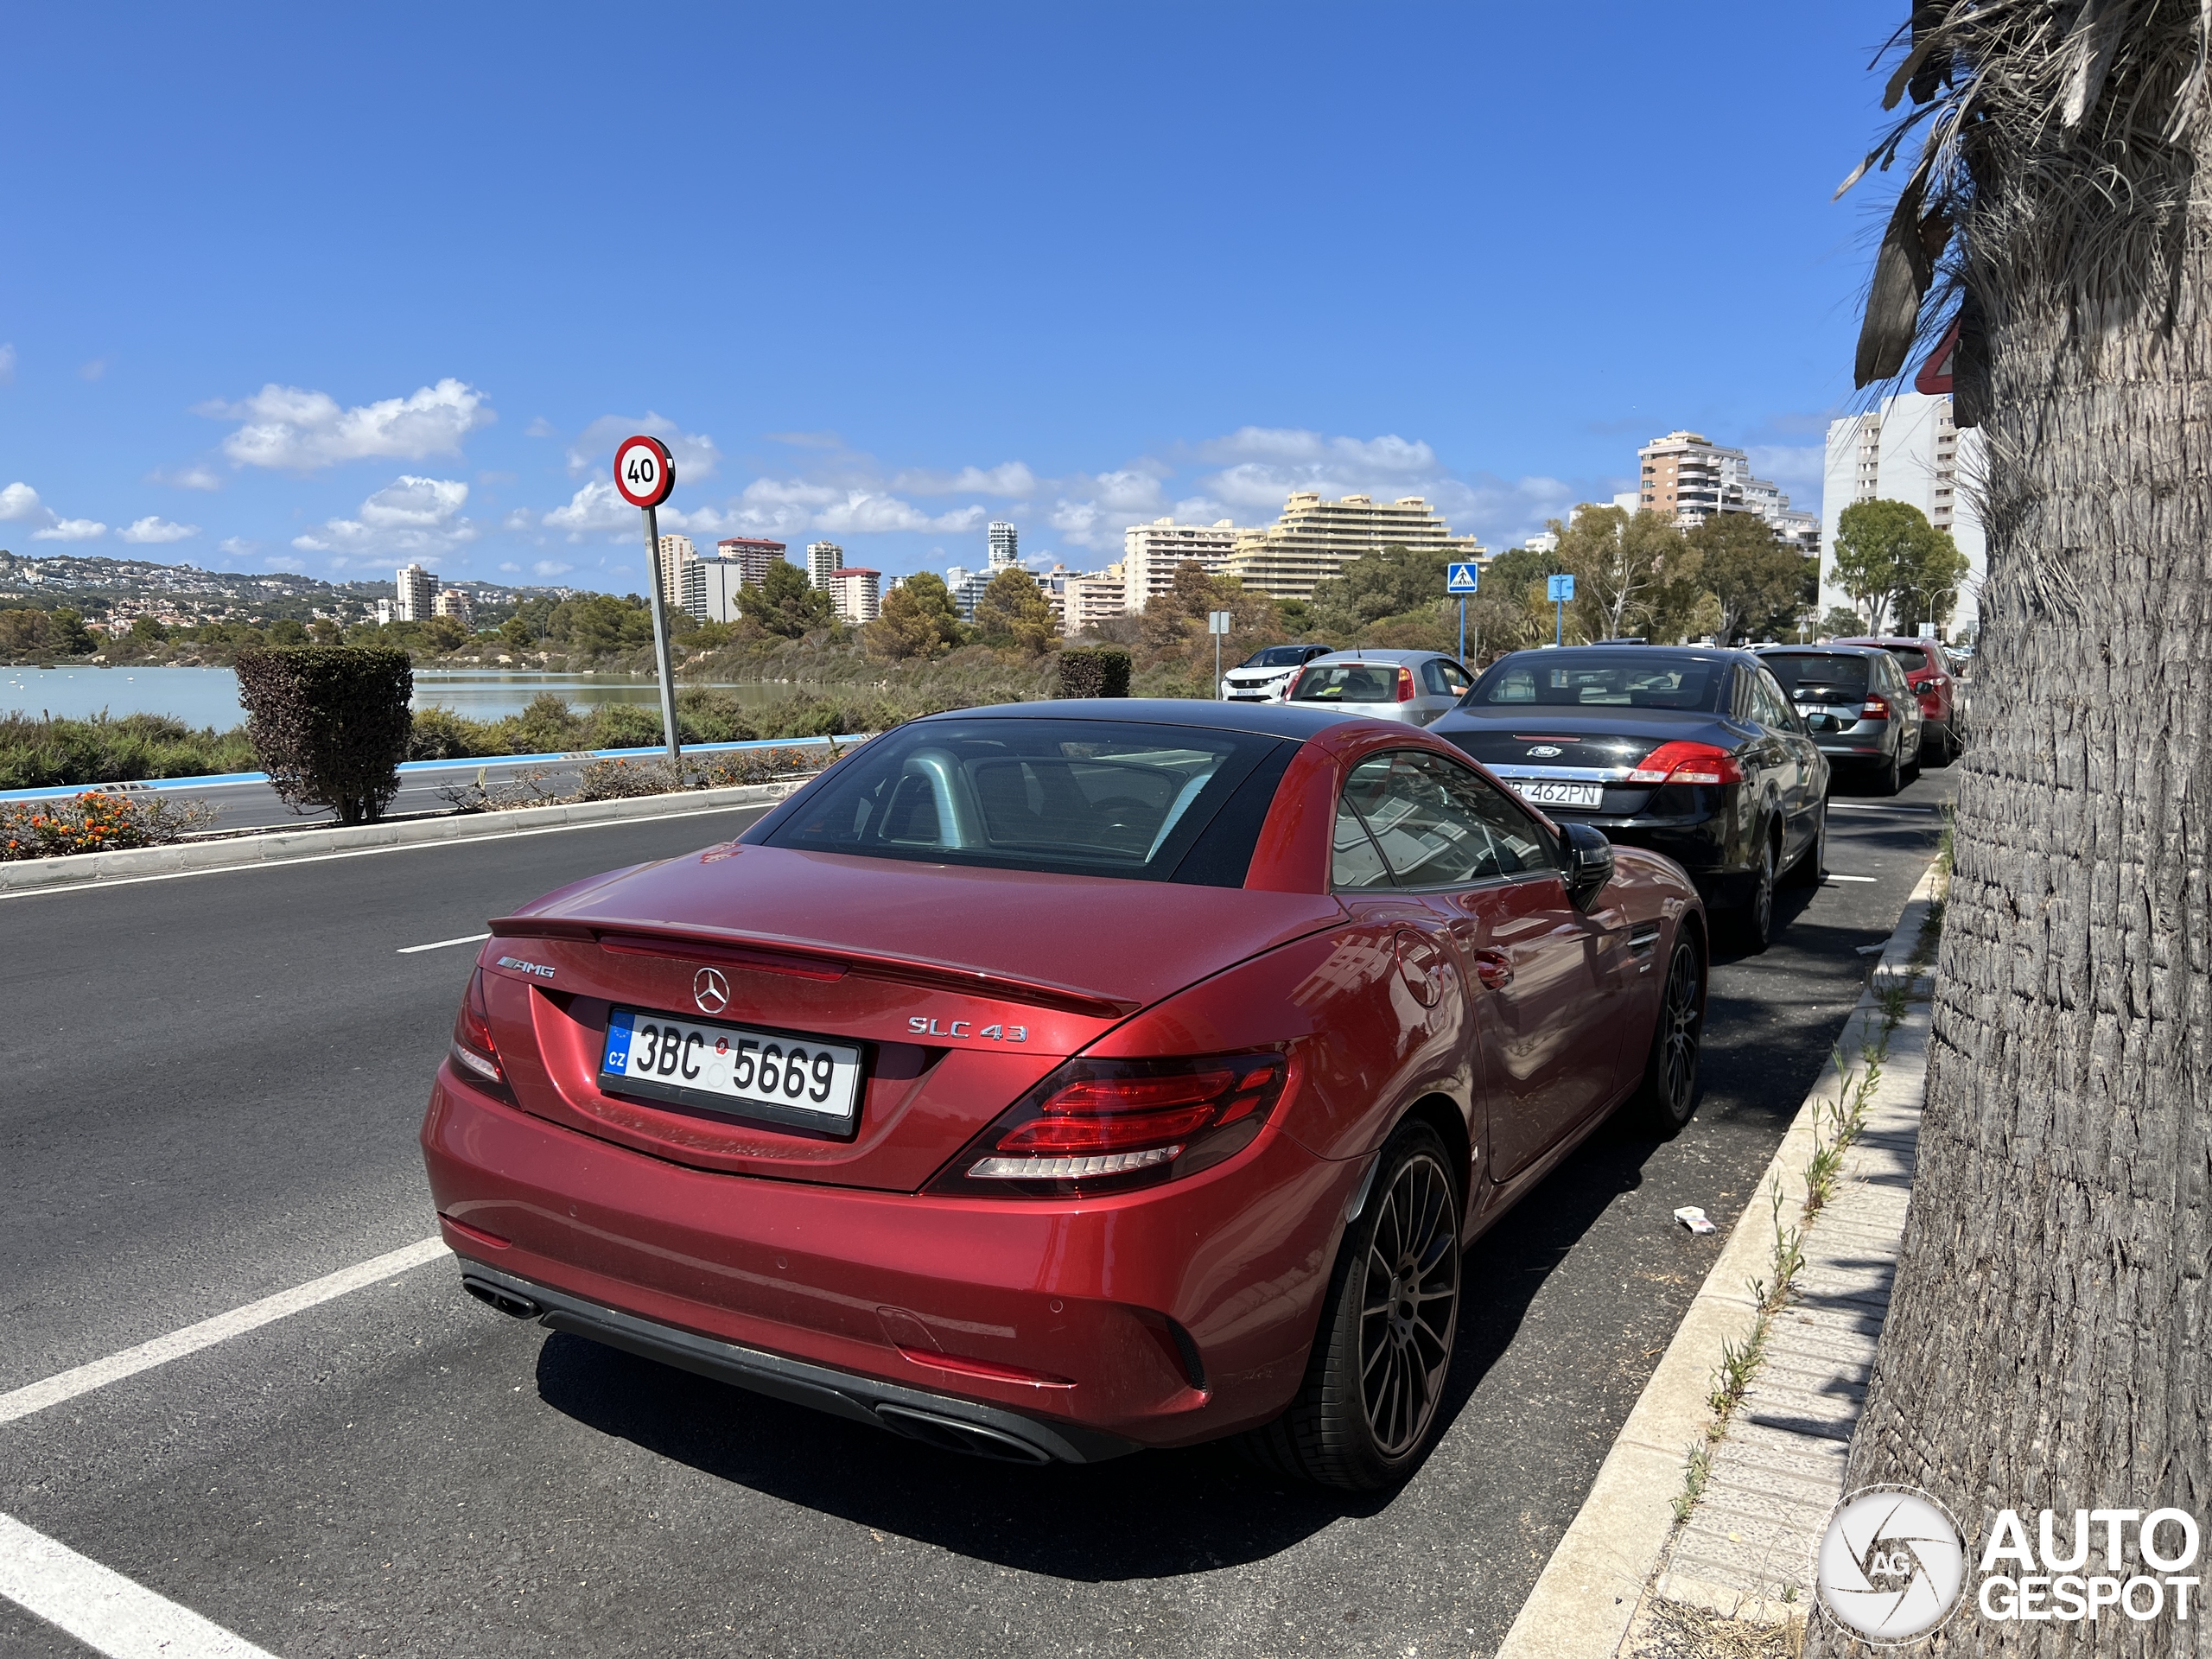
326,289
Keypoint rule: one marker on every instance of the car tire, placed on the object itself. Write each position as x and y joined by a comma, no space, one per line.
1754,918
1891,778
1813,863
1372,1397
1668,1095
1947,750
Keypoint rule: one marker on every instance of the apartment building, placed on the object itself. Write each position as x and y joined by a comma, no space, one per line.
823,561
1005,545
710,590
676,553
457,603
1315,539
1686,478
857,593
1150,554
1908,450
1086,600
416,600
966,587
752,555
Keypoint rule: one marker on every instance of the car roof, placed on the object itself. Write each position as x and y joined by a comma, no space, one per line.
1300,720
1886,640
1834,648
1355,655
1644,653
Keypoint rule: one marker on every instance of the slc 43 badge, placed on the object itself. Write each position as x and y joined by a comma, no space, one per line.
922,1027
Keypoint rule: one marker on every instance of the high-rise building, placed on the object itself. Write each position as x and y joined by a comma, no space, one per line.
710,590
823,561
857,593
966,587
1906,450
1005,545
456,603
417,594
1151,552
1313,540
1686,479
676,552
754,556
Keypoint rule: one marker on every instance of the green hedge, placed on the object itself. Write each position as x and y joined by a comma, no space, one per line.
1094,671
330,723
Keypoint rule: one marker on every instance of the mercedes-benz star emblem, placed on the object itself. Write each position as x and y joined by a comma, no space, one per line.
710,991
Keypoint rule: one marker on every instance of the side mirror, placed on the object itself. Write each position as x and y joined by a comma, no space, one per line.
1589,864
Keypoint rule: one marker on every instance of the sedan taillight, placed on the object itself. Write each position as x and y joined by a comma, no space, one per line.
474,1049
1102,1126
1688,763
1874,709
1405,685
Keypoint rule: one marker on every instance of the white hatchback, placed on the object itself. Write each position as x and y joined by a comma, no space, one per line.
1266,675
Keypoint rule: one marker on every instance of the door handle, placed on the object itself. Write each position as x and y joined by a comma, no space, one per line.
1494,969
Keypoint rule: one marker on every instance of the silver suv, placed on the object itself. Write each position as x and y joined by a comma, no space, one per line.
1413,686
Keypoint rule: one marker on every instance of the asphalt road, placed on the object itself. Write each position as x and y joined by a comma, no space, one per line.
211,1090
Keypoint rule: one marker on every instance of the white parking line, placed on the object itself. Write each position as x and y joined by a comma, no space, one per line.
102,1609
466,939
83,1379
1855,806
1833,876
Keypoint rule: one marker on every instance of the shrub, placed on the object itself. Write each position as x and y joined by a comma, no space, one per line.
42,753
440,734
1094,671
96,821
622,780
329,722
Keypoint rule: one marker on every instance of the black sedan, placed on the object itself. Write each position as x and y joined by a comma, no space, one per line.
1695,753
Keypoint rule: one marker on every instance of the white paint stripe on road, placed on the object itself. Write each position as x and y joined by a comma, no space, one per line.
1854,806
1833,876
466,939
67,1385
102,1609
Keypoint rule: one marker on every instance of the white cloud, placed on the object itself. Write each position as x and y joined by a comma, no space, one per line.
93,370
71,530
539,427
151,529
295,430
1010,480
594,449
238,547
194,477
510,567
410,515
19,505
1294,445
7,363
551,567
595,507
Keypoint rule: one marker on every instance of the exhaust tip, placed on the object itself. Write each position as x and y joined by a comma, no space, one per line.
951,1435
492,1295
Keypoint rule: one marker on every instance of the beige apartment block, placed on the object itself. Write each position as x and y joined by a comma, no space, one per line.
1686,479
1151,552
857,592
456,602
676,552
1086,600
1315,539
753,555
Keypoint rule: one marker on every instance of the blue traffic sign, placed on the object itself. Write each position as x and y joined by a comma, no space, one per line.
1559,588
1461,579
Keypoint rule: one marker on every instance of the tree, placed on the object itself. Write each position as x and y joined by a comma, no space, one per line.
1013,611
786,603
1173,625
1757,582
2044,1345
1887,553
1633,572
918,619
1509,611
1390,581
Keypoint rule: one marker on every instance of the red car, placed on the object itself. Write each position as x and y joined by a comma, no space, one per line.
1934,680
1052,1081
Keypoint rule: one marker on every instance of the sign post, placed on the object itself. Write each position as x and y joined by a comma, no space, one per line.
1462,579
1558,589
644,473
1217,625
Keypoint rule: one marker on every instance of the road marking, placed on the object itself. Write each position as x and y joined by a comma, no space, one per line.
1854,806
67,1385
102,1609
1833,876
466,939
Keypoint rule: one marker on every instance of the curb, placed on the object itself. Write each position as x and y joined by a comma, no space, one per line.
1592,1586
80,870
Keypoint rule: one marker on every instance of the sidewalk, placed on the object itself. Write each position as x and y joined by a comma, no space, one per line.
1699,1532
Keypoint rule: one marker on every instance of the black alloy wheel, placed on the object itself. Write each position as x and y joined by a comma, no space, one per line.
1368,1405
1755,917
1670,1092
1891,778
1813,863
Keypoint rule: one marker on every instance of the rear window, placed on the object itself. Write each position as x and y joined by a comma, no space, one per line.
1348,683
1911,657
1081,798
1637,679
1805,675
1277,657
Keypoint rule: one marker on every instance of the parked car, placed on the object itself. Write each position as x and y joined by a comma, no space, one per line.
1268,672
1692,752
1053,1081
1933,678
1414,686
1854,701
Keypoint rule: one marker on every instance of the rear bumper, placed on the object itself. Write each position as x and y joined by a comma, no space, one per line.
1160,1318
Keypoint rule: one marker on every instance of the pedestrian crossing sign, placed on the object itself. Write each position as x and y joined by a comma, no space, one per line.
1461,578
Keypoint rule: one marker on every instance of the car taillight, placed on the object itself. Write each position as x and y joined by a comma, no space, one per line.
1102,1126
1405,685
474,1049
1874,709
1688,763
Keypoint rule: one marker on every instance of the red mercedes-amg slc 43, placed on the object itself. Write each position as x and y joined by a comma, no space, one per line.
1057,1080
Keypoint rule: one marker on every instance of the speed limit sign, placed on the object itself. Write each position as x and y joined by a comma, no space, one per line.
644,471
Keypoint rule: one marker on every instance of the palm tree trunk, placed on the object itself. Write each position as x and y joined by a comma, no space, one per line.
2046,1345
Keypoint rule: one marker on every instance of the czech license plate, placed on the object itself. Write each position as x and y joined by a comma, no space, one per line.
747,1073
1547,792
